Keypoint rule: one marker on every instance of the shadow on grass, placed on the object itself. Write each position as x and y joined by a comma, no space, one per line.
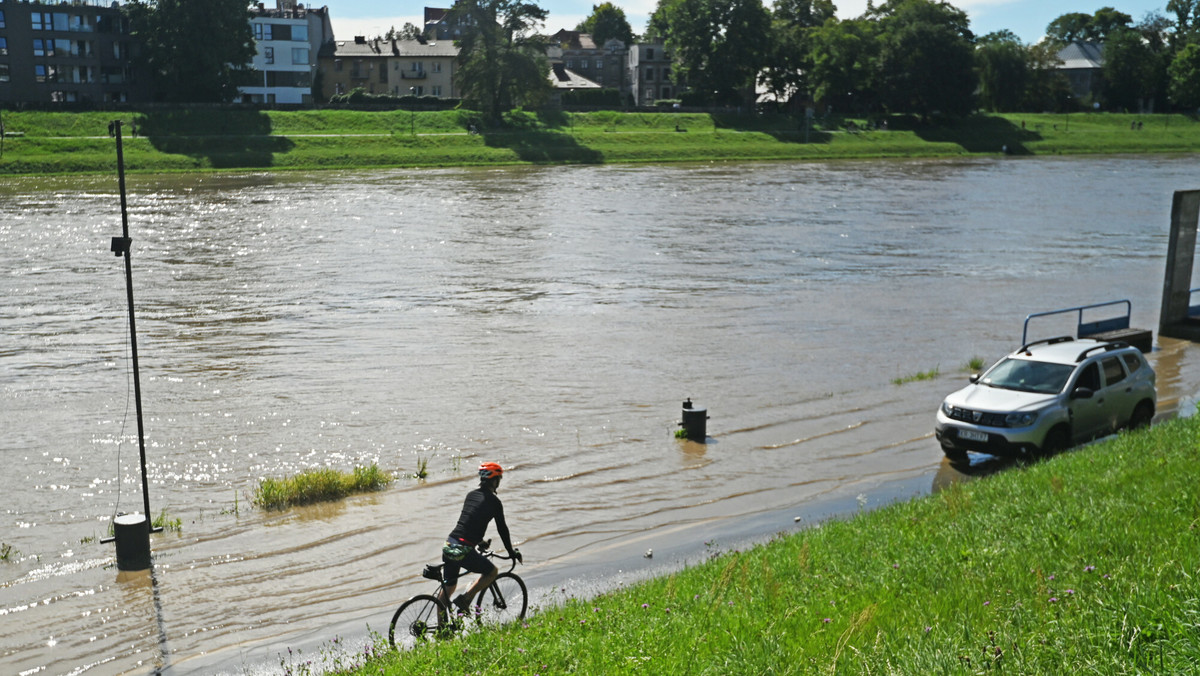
976,134
223,139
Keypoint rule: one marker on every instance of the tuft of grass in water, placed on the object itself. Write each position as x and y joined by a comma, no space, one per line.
975,364
318,485
6,552
167,523
422,471
681,434
1086,562
921,375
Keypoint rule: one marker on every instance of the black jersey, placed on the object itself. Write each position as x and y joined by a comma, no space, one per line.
480,508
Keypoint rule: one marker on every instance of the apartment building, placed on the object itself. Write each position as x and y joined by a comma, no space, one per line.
289,39
420,67
67,52
579,53
650,74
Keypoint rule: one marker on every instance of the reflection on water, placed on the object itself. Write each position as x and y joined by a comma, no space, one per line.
550,319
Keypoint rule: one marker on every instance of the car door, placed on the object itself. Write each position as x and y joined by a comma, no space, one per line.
1119,390
1089,416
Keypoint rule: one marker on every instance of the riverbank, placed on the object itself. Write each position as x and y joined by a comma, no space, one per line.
208,140
1085,562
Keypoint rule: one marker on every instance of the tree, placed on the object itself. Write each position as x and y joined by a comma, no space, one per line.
607,21
1003,65
1130,70
501,60
791,63
843,55
195,50
1088,27
926,57
1070,27
408,32
1048,88
719,45
1185,77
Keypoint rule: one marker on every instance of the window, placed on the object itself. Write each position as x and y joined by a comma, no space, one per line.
1113,371
3,44
61,22
383,74
583,64
300,33
437,90
79,23
337,65
41,21
262,31
649,53
417,66
570,64
64,47
649,74
599,64
300,57
39,47
1090,378
4,75
437,66
269,54
666,74
1132,362
39,73
2,24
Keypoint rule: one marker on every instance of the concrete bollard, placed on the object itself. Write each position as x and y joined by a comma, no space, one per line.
695,422
132,533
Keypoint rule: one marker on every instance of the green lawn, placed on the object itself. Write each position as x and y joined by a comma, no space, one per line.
216,139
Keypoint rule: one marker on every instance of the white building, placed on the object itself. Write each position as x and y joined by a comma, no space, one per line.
288,39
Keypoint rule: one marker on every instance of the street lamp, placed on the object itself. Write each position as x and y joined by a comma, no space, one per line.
413,110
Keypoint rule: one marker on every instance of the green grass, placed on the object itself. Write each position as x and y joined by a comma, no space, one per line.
1085,563
167,522
219,139
920,375
975,364
318,485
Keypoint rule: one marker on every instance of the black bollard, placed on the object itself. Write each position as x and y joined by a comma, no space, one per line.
132,533
695,422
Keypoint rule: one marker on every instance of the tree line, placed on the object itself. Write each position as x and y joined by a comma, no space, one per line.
899,56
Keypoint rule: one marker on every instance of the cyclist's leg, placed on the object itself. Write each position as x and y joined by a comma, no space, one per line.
449,580
482,583
478,563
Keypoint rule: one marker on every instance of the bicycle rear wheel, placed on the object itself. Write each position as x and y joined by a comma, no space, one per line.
505,600
419,619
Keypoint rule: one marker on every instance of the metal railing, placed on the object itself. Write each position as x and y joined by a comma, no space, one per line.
1083,328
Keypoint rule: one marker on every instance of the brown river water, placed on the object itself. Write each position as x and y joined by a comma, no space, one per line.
550,319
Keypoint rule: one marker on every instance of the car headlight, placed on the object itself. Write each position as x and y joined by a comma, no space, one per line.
947,409
1020,419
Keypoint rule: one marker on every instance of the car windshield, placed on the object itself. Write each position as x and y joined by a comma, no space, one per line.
1024,375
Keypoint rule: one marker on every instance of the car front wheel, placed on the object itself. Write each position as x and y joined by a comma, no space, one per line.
1058,439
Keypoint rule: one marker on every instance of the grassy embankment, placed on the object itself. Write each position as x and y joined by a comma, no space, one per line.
50,143
1085,563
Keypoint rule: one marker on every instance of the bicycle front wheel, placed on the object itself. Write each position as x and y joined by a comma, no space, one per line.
418,619
505,600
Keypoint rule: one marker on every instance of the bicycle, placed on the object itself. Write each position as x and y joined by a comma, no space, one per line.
425,616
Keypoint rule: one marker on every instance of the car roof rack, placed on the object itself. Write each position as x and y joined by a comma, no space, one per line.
1104,347
1047,341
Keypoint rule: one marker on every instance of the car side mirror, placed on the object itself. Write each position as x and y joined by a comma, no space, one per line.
974,378
1082,393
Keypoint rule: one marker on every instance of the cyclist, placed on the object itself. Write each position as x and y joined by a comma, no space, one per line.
481,507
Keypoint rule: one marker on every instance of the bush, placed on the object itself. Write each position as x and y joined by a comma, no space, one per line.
592,97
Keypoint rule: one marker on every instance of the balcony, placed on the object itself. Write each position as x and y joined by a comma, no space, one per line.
412,75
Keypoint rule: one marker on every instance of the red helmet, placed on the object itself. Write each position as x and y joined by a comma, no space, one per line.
490,470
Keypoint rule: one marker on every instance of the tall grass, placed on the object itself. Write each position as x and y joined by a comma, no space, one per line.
1085,563
318,485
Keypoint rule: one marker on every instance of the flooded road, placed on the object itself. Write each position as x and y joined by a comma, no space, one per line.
550,319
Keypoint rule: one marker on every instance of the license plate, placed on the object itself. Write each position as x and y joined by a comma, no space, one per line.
972,435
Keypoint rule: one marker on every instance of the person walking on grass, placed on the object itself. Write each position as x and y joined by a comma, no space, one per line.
480,508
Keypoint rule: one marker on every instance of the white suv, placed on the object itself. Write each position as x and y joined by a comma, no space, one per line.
1047,396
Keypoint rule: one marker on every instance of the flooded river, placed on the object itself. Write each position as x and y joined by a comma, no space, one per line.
550,319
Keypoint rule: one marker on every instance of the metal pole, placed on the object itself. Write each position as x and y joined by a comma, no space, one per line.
124,246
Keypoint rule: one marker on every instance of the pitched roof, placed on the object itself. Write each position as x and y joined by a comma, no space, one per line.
360,47
561,78
574,40
1081,56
